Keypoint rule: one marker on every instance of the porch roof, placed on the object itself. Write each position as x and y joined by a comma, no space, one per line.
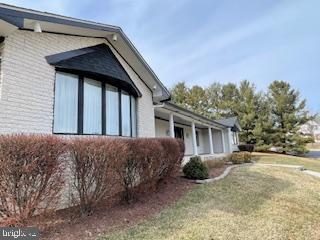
232,122
171,107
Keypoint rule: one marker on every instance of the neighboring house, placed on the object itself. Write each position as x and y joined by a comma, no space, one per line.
65,76
312,128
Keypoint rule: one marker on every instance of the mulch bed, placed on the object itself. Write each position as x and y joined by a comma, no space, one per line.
113,216
215,172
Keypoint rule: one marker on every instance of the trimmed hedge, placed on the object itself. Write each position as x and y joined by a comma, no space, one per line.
241,157
246,147
196,169
147,162
31,176
33,168
92,163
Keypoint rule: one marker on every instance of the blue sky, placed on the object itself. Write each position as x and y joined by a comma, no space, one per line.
209,40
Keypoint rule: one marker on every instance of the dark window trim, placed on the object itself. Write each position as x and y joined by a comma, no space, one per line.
103,113
103,110
130,115
120,113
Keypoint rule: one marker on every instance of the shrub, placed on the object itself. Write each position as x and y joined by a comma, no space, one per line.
31,176
241,157
171,158
147,162
246,147
93,162
195,169
139,166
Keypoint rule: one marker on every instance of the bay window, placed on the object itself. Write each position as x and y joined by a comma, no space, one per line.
87,106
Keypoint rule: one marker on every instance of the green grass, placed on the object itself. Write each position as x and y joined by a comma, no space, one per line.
310,164
253,202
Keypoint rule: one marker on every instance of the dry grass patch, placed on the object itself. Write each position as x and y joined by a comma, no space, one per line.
310,164
215,163
254,202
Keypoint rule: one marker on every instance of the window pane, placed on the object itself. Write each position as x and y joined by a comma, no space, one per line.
125,112
112,111
133,117
92,122
66,103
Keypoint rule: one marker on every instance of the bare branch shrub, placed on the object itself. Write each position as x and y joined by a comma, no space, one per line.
93,165
171,157
148,161
31,176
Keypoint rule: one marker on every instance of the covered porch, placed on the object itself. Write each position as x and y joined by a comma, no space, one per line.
202,137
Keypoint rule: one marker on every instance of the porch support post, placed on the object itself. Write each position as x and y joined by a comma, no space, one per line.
237,134
171,127
223,142
194,139
210,140
230,140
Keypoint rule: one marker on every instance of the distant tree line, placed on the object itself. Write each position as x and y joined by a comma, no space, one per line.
269,118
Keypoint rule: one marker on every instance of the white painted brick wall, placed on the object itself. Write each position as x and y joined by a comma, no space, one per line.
1,51
27,89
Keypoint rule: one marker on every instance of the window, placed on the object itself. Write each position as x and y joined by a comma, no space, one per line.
66,104
125,112
133,117
112,110
92,120
178,132
88,106
197,138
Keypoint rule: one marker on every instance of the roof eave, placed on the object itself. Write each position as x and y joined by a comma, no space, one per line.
22,14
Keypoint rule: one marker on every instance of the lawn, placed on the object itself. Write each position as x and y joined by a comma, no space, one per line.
253,202
310,164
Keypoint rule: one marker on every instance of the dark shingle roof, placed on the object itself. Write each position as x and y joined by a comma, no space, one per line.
96,61
230,122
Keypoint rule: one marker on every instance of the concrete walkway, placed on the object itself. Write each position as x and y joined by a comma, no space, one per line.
313,153
280,165
298,167
228,169
312,173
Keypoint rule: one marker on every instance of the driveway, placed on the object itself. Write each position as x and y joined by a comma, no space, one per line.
313,153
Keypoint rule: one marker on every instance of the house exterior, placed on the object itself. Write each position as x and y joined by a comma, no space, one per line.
312,128
66,76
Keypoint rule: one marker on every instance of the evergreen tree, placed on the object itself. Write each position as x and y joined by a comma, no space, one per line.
229,100
263,129
288,113
179,94
247,110
197,100
214,98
